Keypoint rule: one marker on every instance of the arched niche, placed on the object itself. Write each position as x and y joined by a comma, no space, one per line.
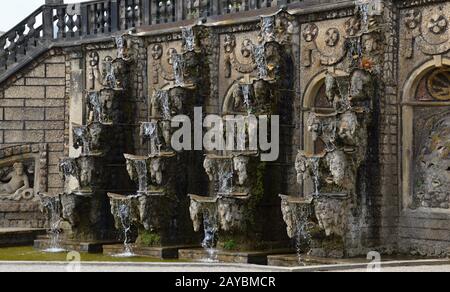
423,113
315,98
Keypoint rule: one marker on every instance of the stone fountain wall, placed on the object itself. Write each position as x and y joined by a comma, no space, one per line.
38,105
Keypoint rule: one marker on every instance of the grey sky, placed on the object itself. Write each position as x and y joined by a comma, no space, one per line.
14,11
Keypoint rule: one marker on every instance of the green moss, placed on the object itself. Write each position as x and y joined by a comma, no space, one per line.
147,238
230,245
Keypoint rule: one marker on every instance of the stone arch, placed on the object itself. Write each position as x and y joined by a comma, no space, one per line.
228,99
309,98
408,104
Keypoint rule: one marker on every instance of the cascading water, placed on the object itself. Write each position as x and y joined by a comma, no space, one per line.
188,38
120,44
94,101
150,133
110,75
163,98
210,226
302,234
53,207
268,28
124,212
315,175
178,69
141,169
82,134
259,52
363,8
247,97
225,177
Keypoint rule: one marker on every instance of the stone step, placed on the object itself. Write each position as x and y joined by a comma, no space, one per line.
165,252
19,236
246,257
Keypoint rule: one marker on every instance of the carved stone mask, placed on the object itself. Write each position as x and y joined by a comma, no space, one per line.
247,48
240,165
229,43
209,166
347,127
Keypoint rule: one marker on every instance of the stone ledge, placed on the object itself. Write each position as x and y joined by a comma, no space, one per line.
166,252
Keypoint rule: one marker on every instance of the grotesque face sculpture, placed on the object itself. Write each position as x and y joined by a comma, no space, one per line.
131,169
195,211
247,48
240,166
362,89
170,55
229,43
231,214
338,165
210,168
176,101
347,128
288,218
156,169
301,167
314,126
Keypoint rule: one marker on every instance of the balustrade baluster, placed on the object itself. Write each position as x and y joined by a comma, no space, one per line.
70,23
106,16
92,20
100,18
31,31
61,24
3,53
12,47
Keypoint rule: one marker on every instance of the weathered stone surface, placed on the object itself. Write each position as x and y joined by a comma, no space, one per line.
54,114
54,136
25,92
45,81
44,103
24,114
55,91
8,125
39,71
27,136
44,125
56,70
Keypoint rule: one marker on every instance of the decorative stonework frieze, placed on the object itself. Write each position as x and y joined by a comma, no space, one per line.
427,29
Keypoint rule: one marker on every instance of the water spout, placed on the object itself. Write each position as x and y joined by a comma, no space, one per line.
96,106
247,101
149,132
82,138
53,207
178,69
162,96
225,177
210,226
141,169
188,38
259,52
124,210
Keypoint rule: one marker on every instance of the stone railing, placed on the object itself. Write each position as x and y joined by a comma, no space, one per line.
56,24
